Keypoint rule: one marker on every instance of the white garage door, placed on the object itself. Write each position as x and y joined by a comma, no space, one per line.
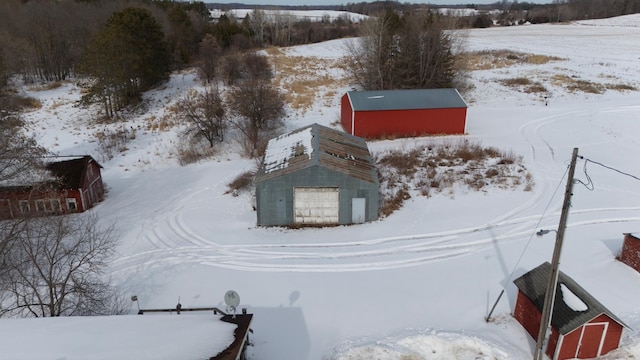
315,205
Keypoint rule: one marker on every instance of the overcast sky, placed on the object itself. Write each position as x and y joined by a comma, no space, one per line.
344,2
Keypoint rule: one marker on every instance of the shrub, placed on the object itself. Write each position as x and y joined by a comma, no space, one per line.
241,182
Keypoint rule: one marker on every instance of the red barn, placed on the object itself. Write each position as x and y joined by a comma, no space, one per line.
631,251
581,327
75,186
403,113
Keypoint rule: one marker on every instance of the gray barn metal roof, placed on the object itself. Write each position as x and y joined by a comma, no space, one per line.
565,317
318,145
414,99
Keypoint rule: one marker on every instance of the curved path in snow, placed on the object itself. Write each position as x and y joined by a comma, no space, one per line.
174,243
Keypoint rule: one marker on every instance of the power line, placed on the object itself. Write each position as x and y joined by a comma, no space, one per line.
488,317
589,184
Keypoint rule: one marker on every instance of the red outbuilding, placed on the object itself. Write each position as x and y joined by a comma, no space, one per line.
74,185
631,251
403,113
581,327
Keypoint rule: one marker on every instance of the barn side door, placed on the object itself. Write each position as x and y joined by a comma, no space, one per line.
591,340
358,210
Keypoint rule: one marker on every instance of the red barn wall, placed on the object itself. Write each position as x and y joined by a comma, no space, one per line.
406,123
345,113
527,315
90,192
10,202
92,186
631,252
591,337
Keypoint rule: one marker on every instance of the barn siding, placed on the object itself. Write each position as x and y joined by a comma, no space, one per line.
274,197
86,190
346,114
527,314
631,252
403,123
571,341
614,333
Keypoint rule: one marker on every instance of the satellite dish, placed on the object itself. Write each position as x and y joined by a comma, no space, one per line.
232,299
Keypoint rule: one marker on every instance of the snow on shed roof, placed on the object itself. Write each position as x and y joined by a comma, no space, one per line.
282,149
123,337
414,99
318,145
569,311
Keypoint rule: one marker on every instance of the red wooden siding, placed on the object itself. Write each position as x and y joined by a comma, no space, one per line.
88,189
346,113
631,251
401,123
600,334
583,342
527,314
11,208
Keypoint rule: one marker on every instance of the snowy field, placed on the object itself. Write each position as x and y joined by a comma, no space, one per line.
415,285
311,15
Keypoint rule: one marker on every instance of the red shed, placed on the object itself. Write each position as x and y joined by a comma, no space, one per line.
403,113
631,251
581,327
75,186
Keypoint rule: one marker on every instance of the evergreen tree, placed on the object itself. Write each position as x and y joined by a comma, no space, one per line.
127,57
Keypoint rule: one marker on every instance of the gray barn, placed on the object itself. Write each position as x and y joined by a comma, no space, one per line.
316,176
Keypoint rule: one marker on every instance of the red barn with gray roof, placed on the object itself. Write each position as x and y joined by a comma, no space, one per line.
581,327
403,113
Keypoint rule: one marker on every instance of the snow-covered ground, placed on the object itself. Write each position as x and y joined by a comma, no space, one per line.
419,283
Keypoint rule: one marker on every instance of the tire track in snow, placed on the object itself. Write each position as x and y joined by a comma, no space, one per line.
366,255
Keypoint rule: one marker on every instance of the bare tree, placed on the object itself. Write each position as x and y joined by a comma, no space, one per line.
20,155
209,57
206,115
55,267
259,107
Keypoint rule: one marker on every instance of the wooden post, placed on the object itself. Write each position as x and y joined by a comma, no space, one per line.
549,296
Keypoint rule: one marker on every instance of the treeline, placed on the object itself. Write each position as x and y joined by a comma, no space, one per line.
569,10
46,40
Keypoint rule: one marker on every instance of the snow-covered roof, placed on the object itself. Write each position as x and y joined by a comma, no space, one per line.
282,149
318,145
124,337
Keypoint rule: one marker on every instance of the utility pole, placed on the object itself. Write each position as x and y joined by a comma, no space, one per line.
549,296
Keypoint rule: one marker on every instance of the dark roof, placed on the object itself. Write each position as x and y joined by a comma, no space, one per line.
329,148
240,338
417,99
631,236
564,317
71,172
